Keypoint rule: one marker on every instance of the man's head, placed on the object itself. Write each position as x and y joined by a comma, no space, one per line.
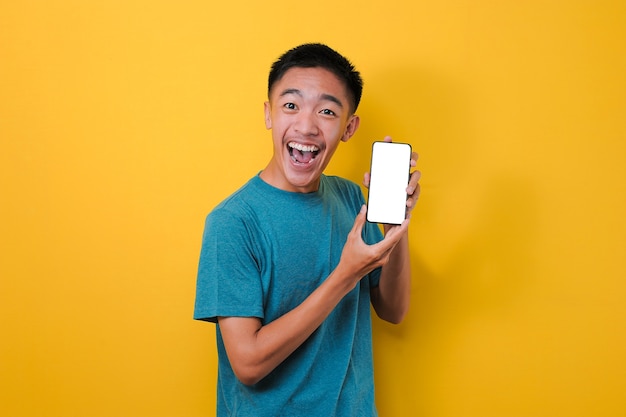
312,55
313,93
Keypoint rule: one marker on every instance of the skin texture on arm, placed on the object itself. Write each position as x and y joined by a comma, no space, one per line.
254,350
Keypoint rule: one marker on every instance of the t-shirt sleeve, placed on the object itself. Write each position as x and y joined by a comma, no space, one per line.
228,282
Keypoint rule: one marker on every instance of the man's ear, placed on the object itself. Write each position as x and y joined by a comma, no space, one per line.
268,115
351,128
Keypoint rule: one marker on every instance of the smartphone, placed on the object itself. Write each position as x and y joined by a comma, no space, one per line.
389,177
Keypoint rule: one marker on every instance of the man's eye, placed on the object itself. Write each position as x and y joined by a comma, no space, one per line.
290,106
328,112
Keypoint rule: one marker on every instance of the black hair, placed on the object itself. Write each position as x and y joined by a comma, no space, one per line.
311,55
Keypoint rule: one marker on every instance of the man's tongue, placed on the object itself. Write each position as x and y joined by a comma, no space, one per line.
302,157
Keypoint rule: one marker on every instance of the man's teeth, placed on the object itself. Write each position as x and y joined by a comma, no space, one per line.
303,148
302,154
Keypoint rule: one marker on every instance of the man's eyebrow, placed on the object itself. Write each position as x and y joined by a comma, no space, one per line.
333,99
326,97
291,91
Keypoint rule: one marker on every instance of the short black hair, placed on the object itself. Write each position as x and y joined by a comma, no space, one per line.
312,55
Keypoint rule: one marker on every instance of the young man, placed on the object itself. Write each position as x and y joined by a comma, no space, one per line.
289,265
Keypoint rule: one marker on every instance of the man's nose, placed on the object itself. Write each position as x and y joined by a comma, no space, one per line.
306,124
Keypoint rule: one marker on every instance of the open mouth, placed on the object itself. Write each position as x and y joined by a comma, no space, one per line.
302,154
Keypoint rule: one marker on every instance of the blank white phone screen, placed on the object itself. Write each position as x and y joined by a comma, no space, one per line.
389,178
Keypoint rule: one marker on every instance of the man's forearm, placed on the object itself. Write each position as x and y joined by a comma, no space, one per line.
255,350
391,299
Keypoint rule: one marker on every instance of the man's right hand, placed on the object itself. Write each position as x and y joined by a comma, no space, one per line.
358,258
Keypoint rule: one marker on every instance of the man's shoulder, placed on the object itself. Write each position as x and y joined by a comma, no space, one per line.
243,194
237,205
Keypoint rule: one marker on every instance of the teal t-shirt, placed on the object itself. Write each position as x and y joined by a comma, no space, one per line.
264,251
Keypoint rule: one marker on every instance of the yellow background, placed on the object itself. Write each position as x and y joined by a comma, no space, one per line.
122,123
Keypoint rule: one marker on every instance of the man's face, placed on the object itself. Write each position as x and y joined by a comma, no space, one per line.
309,114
